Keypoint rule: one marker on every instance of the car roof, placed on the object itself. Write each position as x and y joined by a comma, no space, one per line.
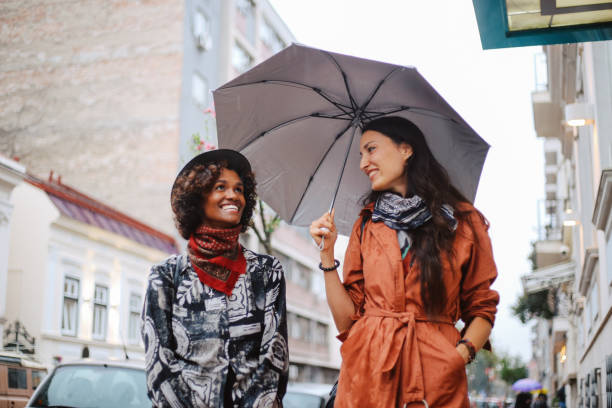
310,388
121,363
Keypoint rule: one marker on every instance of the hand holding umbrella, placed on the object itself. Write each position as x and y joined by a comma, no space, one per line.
324,227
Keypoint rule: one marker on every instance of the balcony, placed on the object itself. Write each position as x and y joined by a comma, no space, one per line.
552,245
549,276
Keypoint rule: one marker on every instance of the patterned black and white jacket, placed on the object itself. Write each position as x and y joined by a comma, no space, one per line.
193,334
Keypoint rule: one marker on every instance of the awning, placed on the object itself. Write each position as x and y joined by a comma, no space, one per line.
518,23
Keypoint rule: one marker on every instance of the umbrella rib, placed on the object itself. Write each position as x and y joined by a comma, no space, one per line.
317,169
345,79
341,106
423,111
348,150
280,125
338,116
290,121
380,84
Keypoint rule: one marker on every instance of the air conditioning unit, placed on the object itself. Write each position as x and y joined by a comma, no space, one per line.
204,42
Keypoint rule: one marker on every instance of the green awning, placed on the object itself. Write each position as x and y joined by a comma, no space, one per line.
518,23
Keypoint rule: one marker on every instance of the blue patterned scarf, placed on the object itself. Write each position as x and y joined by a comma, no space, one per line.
405,214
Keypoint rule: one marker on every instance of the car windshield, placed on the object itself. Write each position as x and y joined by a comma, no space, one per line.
94,386
294,399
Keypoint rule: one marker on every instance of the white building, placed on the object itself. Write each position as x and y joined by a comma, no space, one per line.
77,272
574,114
11,174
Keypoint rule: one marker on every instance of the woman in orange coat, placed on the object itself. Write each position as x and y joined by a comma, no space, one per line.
419,259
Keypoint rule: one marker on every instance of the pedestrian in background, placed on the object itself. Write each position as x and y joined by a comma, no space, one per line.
523,400
215,330
541,401
419,258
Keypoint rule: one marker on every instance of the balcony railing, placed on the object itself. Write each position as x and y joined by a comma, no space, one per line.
550,225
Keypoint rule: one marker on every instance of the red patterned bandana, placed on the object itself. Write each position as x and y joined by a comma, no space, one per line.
217,257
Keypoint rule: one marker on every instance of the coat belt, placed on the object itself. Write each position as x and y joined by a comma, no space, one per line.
404,335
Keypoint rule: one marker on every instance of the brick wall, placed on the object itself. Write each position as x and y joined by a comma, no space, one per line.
91,89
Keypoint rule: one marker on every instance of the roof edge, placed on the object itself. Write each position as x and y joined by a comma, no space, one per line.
68,193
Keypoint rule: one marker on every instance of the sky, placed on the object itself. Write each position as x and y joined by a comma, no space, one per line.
490,89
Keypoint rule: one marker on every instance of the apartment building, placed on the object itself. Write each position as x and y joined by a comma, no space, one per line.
573,257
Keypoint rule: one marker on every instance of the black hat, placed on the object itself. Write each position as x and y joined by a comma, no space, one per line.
235,161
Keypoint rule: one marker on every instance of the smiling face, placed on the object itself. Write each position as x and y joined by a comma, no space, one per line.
383,161
224,205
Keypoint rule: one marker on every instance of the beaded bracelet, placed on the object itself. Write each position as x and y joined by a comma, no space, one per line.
331,268
470,347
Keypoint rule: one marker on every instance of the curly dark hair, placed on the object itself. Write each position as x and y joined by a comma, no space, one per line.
192,188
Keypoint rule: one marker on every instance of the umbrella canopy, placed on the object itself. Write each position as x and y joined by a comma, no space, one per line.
298,115
526,384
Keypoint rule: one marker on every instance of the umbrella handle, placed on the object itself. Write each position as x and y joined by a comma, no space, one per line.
321,244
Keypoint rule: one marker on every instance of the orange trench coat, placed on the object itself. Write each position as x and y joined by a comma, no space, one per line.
393,354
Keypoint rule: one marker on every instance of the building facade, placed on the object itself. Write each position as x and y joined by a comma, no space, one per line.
573,257
77,274
11,175
121,87
98,82
109,95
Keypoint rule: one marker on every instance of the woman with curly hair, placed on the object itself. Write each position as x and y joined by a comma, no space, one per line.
419,259
214,319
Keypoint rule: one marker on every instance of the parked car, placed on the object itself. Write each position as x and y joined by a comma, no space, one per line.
94,384
20,375
306,395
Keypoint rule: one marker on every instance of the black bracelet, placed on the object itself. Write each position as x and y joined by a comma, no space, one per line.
331,268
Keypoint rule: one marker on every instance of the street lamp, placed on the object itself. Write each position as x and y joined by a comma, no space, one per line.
579,114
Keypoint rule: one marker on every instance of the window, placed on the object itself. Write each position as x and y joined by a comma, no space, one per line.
70,307
245,19
199,90
580,330
270,39
300,328
37,377
320,334
302,275
241,59
17,378
201,31
285,263
294,327
593,302
134,320
100,310
305,328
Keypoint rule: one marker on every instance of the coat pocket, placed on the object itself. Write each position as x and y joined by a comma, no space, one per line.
448,346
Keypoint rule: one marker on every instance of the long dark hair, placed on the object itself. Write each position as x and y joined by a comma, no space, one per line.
426,178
